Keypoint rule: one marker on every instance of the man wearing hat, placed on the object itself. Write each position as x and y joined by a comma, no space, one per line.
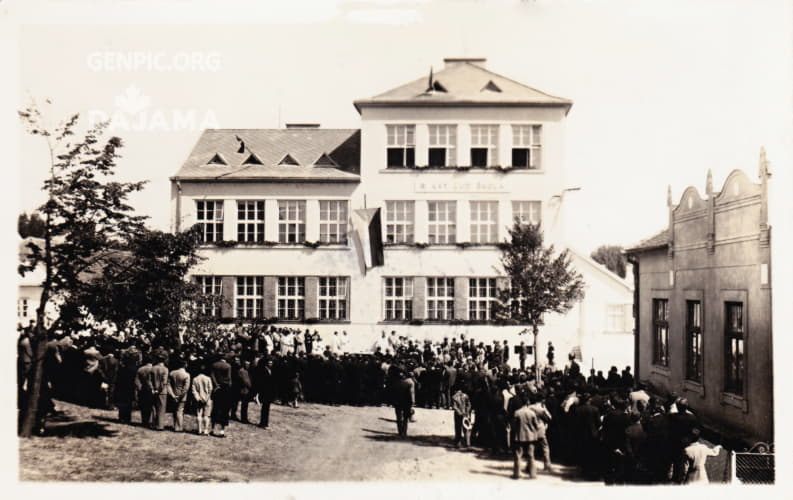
402,399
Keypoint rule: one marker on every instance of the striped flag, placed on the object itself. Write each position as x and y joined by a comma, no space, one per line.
369,236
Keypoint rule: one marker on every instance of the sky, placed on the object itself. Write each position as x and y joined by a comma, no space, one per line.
662,91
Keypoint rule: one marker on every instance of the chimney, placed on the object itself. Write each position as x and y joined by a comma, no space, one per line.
477,61
302,125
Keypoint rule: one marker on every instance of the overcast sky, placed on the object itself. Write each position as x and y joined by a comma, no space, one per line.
662,91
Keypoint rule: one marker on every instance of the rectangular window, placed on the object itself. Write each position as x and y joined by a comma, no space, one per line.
22,308
440,298
209,214
661,332
484,145
615,317
212,288
332,298
527,212
481,297
526,146
291,297
400,217
249,299
734,336
442,218
398,295
484,221
250,221
333,221
694,340
291,221
443,145
401,150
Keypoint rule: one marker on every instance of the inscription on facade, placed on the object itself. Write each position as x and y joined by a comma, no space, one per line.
460,187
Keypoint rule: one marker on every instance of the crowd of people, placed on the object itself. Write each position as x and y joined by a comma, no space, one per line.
611,427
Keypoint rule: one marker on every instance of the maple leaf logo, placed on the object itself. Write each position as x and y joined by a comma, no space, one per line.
132,101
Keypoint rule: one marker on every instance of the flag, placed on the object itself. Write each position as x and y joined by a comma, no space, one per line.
369,236
242,144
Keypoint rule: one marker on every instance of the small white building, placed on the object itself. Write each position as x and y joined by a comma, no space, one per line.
450,160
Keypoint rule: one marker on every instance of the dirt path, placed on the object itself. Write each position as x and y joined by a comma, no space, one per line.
310,443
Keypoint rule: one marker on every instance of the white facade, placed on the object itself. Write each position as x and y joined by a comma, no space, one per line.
435,266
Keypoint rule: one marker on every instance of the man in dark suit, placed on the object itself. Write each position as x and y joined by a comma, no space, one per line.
265,389
221,397
587,419
402,399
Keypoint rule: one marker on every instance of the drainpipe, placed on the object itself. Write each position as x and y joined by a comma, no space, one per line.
636,308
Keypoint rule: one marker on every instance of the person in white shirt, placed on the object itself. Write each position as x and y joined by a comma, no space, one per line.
382,343
344,343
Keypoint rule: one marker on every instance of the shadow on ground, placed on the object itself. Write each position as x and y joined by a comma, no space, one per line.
63,426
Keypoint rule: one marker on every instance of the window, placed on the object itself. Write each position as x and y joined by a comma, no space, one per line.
398,298
399,221
209,214
22,308
250,221
249,300
527,211
443,145
484,221
481,297
332,298
661,332
291,221
440,298
333,221
442,217
401,145
734,348
526,146
615,317
291,297
694,340
484,145
212,287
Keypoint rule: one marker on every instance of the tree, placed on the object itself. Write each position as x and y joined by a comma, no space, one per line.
32,225
540,281
86,219
612,257
144,287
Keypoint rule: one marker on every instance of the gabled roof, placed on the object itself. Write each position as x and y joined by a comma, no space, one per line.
271,147
658,240
604,271
465,83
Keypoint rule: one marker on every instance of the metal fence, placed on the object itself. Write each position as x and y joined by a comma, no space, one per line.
753,468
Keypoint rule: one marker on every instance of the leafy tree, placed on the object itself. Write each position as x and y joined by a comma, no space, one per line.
32,225
144,287
540,281
612,257
86,218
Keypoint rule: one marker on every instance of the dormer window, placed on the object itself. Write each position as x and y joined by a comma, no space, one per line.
491,87
401,151
526,146
217,160
325,161
288,160
252,160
